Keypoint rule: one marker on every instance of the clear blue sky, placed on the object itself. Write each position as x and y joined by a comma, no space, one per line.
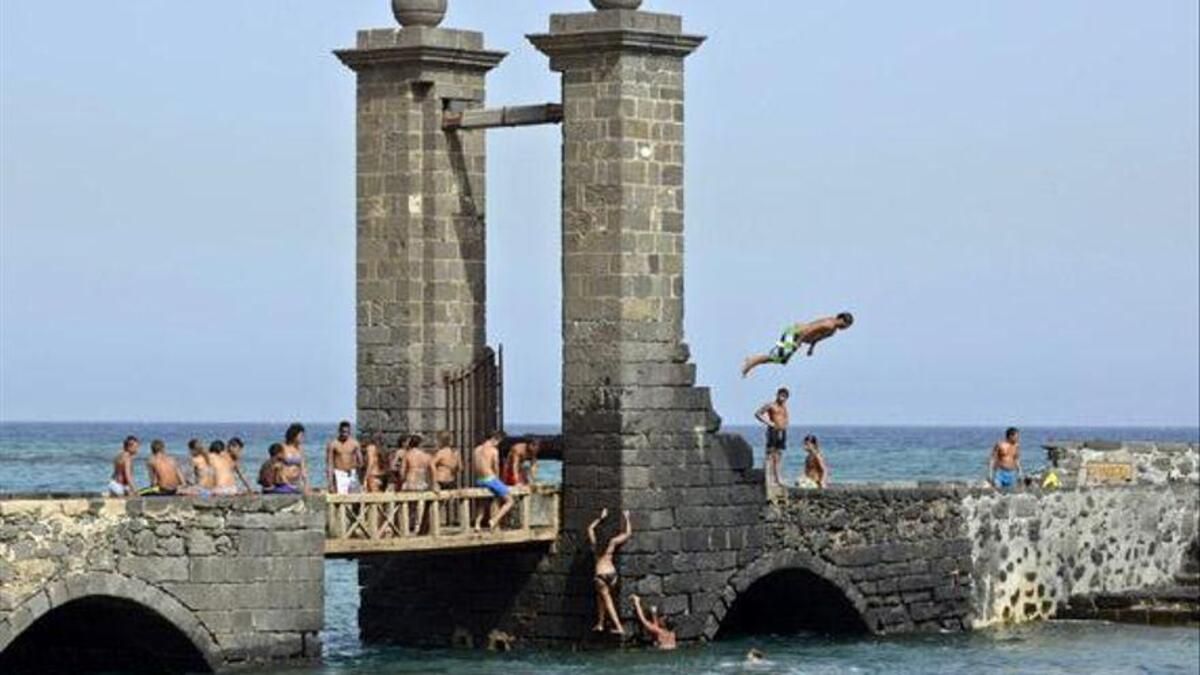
1004,193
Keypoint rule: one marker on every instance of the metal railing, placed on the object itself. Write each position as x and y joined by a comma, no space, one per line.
475,406
389,522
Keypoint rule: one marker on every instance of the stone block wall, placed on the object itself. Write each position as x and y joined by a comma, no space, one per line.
241,578
421,239
1032,551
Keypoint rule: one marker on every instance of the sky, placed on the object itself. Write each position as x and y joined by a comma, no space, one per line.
1005,195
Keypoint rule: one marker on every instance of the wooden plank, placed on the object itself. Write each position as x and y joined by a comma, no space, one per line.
467,540
508,116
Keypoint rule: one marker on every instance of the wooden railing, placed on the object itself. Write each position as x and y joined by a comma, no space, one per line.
390,522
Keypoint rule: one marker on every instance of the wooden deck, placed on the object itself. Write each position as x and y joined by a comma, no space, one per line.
398,522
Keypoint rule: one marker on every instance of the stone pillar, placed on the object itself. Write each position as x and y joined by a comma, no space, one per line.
637,433
421,274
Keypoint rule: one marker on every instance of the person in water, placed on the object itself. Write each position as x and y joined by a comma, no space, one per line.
816,471
343,461
166,478
796,336
774,414
268,473
1004,464
121,482
606,579
447,462
656,626
293,474
486,461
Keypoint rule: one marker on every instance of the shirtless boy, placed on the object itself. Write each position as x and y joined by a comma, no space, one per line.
486,461
121,483
268,473
416,467
202,473
224,475
343,461
657,626
797,335
1004,464
606,577
235,447
166,478
774,414
446,462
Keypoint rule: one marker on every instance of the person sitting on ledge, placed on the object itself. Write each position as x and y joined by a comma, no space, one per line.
268,473
1004,464
657,626
224,476
121,482
486,460
816,471
236,446
795,336
606,578
166,478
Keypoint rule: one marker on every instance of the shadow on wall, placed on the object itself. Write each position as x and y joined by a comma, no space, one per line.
102,634
791,601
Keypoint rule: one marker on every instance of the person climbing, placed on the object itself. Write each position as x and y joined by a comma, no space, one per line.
606,578
797,335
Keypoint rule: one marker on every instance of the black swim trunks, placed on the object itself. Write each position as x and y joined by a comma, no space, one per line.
776,439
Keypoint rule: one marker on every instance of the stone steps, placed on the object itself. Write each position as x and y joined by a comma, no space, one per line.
1163,606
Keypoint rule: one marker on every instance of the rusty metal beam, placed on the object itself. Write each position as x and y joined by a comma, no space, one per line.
508,116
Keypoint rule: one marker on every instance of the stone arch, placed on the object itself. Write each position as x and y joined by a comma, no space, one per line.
785,561
115,587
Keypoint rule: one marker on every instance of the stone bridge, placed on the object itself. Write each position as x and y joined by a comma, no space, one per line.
173,584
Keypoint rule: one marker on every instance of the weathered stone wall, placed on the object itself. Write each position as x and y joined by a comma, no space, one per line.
421,254
1150,462
242,578
1032,551
898,553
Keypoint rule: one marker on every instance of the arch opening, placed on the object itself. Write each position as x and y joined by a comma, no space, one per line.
790,601
102,634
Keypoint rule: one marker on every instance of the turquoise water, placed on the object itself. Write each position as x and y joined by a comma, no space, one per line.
75,458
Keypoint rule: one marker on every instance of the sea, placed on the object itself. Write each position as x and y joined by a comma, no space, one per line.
76,457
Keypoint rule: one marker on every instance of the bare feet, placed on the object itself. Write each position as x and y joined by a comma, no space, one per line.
598,628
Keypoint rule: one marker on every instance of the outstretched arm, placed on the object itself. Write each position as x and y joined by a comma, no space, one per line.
641,616
623,537
237,469
591,529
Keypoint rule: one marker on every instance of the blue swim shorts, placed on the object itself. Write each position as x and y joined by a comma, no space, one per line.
1006,479
494,484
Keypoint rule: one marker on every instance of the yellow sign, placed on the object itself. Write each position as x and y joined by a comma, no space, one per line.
1107,473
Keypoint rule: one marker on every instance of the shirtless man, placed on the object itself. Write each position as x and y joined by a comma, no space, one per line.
416,467
606,578
235,447
343,460
520,466
202,472
796,335
815,468
657,626
121,483
268,473
486,461
372,466
446,462
224,475
166,478
1004,464
774,414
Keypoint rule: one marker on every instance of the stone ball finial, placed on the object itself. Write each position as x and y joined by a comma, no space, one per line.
616,4
419,12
